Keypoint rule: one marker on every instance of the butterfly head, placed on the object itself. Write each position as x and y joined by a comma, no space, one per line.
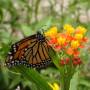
40,37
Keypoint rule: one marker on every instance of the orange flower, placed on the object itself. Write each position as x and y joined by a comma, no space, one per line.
53,40
73,52
69,41
69,38
85,39
81,46
69,51
57,47
76,53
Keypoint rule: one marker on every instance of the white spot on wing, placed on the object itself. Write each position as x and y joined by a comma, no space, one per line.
11,57
9,53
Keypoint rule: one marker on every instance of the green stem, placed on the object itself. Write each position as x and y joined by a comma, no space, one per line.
67,73
65,82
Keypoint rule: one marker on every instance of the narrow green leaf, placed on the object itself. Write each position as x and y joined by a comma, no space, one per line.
5,75
14,83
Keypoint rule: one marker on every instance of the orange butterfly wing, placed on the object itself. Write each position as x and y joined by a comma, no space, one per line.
30,51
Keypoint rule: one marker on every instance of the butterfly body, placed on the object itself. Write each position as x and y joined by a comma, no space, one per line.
40,37
31,52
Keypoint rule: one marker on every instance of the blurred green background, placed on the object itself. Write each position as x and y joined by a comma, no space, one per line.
21,18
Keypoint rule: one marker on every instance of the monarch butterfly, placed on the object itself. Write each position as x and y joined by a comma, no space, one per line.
31,52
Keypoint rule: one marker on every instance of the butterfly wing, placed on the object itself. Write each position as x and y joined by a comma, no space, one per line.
38,55
18,49
30,52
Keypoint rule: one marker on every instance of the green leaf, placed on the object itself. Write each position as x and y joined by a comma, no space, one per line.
26,83
5,75
33,76
14,82
85,83
74,81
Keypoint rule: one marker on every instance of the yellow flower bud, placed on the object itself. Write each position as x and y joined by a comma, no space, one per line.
54,86
81,30
61,40
51,32
78,36
75,44
69,29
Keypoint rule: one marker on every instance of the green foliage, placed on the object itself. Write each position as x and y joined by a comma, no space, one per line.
33,76
19,18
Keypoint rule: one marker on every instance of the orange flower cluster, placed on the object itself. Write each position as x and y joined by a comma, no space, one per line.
69,41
